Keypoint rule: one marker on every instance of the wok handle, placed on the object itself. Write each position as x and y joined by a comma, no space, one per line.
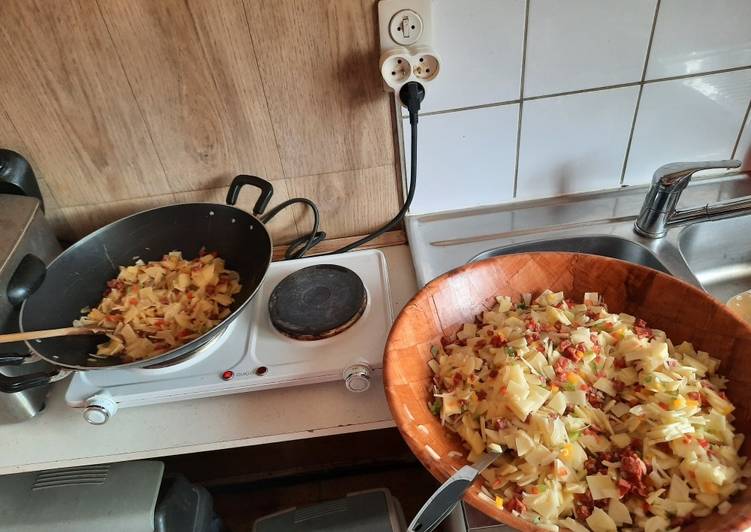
267,190
27,278
12,359
24,382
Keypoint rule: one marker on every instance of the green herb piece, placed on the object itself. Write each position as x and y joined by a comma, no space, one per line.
435,406
434,350
593,366
521,306
569,387
573,436
510,352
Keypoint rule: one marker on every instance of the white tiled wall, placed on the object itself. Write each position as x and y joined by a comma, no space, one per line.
581,44
696,118
588,95
448,163
552,158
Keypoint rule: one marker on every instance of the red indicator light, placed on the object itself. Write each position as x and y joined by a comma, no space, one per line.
227,375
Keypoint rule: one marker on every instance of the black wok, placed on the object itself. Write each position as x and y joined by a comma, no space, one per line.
78,277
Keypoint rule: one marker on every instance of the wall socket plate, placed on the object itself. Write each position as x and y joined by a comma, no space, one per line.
396,19
405,30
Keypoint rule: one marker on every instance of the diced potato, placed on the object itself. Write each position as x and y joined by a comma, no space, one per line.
599,521
557,315
471,436
602,487
619,409
557,402
576,397
678,491
618,512
539,455
524,443
656,524
595,443
468,331
621,440
572,525
450,406
606,386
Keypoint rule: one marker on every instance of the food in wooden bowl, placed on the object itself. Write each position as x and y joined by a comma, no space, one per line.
599,429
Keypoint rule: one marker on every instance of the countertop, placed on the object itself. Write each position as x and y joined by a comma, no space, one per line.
59,436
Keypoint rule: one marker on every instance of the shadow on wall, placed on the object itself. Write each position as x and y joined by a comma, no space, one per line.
745,159
564,178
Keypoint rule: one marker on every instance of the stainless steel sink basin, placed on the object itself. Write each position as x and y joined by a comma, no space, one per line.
719,254
604,245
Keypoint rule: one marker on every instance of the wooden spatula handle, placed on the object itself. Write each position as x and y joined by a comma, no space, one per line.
48,333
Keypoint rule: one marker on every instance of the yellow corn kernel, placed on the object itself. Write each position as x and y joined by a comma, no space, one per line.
691,403
499,502
554,388
573,378
679,403
618,335
710,488
565,451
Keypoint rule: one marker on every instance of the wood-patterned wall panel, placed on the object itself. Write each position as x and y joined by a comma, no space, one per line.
122,105
351,203
64,89
319,63
193,70
10,139
282,227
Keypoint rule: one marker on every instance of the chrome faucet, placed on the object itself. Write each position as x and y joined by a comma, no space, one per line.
659,212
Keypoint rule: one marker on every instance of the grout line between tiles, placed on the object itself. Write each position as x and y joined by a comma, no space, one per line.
651,40
468,108
581,91
740,131
641,90
591,89
630,136
521,99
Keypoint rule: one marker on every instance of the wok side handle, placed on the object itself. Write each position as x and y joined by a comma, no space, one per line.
27,278
24,382
267,190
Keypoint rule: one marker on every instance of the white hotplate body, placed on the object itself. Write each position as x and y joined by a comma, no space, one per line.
251,354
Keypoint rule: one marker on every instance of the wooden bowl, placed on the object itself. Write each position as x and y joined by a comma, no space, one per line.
441,307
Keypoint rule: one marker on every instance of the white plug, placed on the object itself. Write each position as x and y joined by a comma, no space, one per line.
406,37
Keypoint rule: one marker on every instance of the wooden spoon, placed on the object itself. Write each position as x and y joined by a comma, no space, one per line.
50,333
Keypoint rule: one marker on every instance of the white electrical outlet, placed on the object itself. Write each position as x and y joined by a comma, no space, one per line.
406,36
405,27
396,19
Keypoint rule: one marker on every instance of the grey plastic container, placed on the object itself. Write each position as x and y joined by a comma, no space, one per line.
122,497
365,511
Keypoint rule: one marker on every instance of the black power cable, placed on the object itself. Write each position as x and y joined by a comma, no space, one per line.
411,95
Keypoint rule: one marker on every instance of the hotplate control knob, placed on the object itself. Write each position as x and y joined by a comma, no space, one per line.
357,377
99,409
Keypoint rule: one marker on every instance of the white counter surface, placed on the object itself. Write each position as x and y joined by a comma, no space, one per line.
59,437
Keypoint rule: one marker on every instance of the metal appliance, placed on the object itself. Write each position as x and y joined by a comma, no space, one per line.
27,244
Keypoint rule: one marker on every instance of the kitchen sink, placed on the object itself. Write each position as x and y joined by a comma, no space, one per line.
713,255
603,245
719,254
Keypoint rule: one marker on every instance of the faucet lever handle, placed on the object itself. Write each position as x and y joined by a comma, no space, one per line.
670,175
